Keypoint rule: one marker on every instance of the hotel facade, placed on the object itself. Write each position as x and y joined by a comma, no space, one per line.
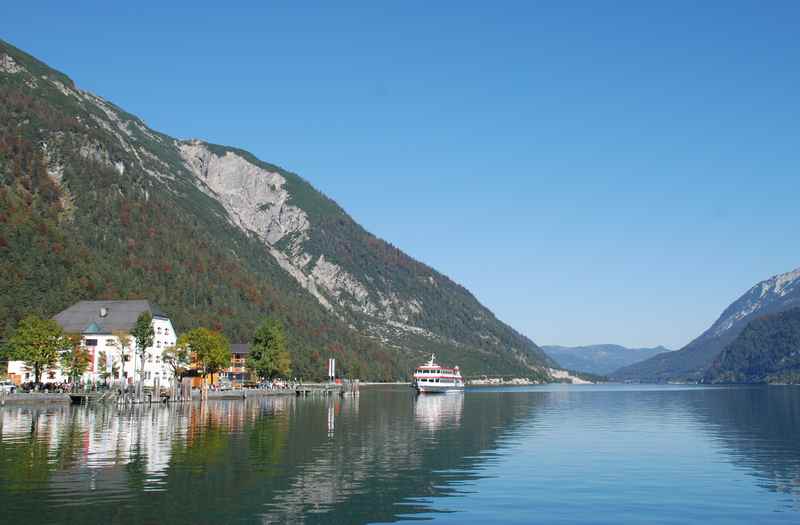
102,326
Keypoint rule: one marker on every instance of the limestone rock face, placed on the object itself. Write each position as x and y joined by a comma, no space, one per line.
9,65
257,201
254,197
337,282
776,293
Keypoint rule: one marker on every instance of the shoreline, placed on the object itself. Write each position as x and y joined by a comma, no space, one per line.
37,398
33,398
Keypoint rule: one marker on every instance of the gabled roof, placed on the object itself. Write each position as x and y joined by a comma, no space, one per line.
85,317
240,348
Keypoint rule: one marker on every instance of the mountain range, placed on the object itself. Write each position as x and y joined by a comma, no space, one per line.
599,359
95,204
690,363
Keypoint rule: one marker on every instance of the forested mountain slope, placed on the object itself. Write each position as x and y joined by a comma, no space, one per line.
94,204
777,294
767,351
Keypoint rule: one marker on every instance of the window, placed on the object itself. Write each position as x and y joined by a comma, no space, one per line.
110,342
91,342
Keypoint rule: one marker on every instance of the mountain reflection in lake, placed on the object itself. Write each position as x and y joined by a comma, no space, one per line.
542,454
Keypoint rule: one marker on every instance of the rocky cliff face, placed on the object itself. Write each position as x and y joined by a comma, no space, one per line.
258,202
773,295
268,223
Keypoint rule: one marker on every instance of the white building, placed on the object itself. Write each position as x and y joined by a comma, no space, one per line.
101,325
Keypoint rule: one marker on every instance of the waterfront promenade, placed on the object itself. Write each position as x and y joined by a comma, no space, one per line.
307,389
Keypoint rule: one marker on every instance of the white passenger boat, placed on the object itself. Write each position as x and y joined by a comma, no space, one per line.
432,378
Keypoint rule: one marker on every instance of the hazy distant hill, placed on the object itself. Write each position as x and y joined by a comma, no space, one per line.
767,351
95,204
599,359
777,294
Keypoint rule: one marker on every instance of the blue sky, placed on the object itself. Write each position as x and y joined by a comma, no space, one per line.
593,171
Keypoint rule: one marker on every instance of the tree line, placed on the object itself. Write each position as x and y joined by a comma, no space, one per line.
42,345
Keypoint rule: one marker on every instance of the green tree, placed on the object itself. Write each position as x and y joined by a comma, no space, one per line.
5,352
210,350
177,359
75,361
38,342
268,357
143,335
143,332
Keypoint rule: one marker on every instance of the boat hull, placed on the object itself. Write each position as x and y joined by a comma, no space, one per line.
437,389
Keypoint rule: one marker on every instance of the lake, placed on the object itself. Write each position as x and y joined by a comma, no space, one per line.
549,454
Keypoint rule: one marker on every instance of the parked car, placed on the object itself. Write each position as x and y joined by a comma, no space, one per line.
7,387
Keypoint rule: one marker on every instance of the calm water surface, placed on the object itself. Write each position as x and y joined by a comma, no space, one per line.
556,454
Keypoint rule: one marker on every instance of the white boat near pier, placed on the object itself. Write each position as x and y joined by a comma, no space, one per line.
432,378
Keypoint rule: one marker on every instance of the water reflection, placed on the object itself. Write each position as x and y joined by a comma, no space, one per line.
759,430
388,455
269,460
433,412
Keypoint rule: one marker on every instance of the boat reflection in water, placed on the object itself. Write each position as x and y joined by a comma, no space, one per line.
436,412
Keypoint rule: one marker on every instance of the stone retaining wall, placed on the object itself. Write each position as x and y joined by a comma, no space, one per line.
32,398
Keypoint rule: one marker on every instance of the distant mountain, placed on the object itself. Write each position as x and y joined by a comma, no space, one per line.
599,359
767,351
94,204
773,295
